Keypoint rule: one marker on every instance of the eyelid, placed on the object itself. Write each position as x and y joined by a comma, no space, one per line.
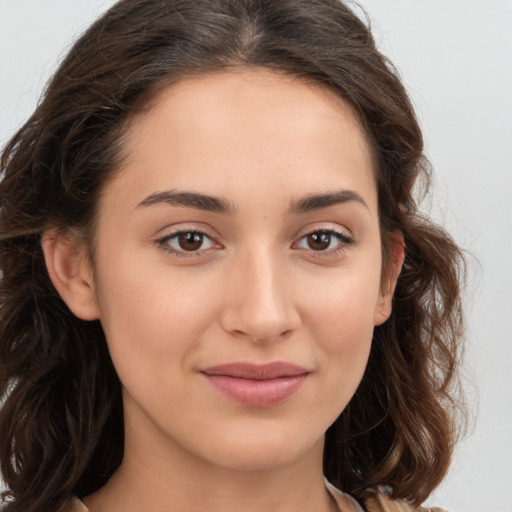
345,238
343,235
175,231
332,227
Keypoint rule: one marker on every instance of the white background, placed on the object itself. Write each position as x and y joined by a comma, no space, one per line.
455,57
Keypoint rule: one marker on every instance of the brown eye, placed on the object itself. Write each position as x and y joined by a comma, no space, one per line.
187,242
327,241
319,241
190,241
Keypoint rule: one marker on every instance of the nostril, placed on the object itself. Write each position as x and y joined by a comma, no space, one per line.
272,337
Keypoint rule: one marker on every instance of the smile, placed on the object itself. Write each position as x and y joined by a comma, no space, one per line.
255,385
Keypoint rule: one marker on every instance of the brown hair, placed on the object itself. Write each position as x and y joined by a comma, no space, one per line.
61,423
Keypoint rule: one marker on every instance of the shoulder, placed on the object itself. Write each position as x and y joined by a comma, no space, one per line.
345,502
376,500
379,501
75,505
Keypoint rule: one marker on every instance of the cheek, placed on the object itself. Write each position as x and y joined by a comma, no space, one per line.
344,304
344,330
152,323
341,319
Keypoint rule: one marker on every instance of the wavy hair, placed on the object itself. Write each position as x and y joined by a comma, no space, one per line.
61,418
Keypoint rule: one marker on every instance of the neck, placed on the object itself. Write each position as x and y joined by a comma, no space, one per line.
160,476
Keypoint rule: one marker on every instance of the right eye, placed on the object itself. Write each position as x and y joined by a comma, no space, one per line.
184,242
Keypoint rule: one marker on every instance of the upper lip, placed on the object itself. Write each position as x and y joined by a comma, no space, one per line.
253,371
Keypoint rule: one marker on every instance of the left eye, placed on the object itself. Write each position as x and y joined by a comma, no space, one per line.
323,240
188,241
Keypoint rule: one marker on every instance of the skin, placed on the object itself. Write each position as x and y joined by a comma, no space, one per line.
256,290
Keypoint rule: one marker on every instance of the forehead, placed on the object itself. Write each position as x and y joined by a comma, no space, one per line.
223,97
233,130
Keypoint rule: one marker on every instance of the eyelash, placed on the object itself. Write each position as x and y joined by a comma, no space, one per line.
344,242
164,243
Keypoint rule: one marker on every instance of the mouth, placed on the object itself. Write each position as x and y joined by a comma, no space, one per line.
257,385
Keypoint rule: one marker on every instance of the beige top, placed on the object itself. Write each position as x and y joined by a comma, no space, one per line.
378,503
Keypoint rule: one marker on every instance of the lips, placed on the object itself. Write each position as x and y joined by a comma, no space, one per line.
257,385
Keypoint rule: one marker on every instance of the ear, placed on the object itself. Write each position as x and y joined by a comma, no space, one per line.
71,273
389,279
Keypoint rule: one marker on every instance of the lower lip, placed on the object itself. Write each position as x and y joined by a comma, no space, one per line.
257,393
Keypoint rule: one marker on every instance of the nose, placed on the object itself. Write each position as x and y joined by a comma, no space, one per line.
260,299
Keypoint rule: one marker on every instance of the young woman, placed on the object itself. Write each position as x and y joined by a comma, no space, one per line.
217,292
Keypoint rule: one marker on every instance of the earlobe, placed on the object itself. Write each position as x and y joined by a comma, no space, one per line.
71,273
384,305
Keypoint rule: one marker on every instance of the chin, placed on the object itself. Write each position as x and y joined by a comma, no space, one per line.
260,452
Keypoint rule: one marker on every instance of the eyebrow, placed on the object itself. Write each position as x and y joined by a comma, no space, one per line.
190,200
214,204
319,201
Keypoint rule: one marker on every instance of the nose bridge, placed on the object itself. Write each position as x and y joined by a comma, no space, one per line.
261,302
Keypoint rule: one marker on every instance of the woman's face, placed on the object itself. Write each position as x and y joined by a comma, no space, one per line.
238,269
